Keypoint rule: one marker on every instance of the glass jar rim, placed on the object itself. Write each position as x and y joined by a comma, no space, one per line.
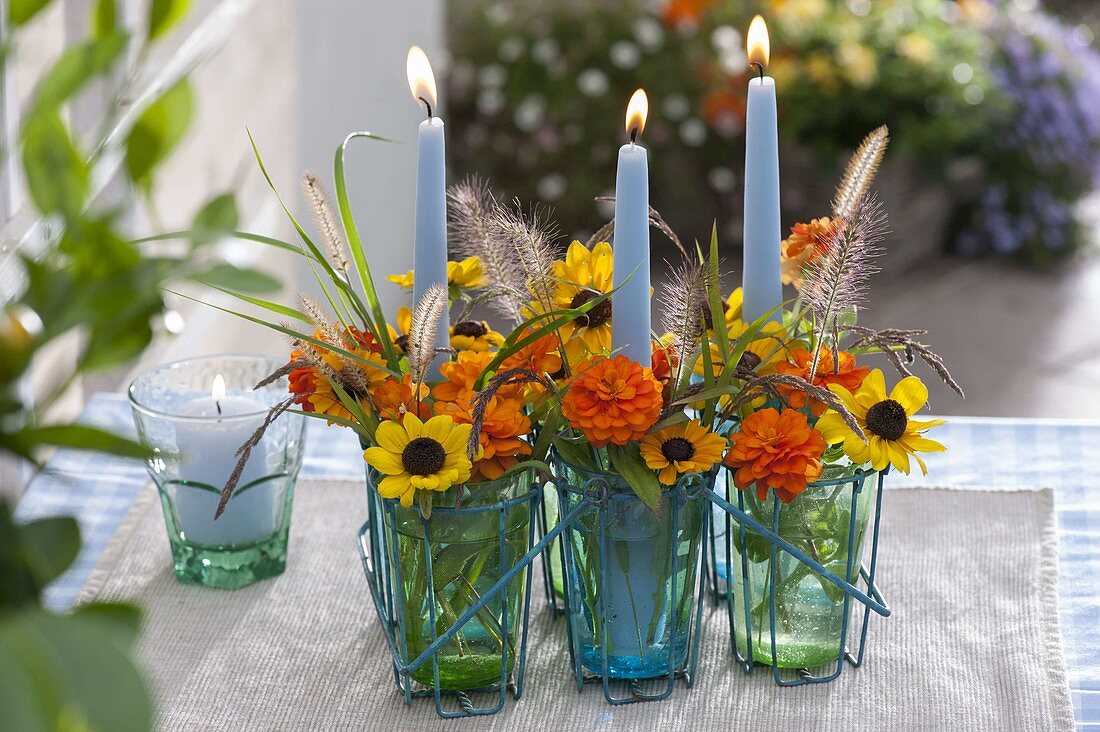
146,409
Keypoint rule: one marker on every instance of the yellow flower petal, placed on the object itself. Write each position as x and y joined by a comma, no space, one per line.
391,436
384,462
880,452
832,428
438,428
395,486
413,425
874,386
911,394
857,450
899,458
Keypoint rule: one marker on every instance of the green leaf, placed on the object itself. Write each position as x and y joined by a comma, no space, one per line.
81,437
49,546
163,14
120,620
57,176
277,308
214,221
225,276
75,68
627,461
104,18
157,132
575,453
22,11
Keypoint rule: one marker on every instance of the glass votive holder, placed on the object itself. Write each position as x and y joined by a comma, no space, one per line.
194,415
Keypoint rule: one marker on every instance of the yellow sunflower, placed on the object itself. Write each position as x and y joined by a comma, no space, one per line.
578,279
475,335
415,455
464,275
399,336
682,448
892,434
732,306
761,353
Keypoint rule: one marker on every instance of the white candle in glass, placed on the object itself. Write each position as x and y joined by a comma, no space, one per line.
430,227
207,450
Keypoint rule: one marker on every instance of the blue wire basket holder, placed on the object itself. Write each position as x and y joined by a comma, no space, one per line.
787,609
631,578
396,549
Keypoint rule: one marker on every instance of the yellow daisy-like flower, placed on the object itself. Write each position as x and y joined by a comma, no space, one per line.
464,275
761,353
474,335
415,455
400,336
578,279
683,448
732,307
892,434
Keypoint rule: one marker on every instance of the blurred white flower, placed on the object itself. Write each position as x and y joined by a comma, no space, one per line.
676,107
725,38
490,101
859,8
551,187
592,82
973,94
499,13
492,75
962,73
529,112
511,48
625,54
545,51
721,179
693,132
649,33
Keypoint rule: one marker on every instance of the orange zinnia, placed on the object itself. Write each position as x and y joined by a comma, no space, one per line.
541,357
461,374
612,400
806,243
845,373
393,398
502,428
776,450
665,363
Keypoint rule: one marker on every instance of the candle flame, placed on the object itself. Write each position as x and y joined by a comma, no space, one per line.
759,47
421,79
636,113
217,389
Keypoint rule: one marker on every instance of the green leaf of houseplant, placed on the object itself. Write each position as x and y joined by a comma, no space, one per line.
224,275
163,14
627,461
21,11
81,437
75,68
216,220
157,132
57,176
49,546
104,18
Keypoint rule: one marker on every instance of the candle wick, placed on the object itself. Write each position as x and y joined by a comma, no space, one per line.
759,68
428,105
218,405
633,135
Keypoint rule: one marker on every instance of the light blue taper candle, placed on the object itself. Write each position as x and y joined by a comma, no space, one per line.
430,226
630,327
763,288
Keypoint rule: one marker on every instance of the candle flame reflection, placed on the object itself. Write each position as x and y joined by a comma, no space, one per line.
759,47
636,113
421,79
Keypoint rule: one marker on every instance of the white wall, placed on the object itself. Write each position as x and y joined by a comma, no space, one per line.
352,77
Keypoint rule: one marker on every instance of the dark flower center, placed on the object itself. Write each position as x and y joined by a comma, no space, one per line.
677,449
887,419
597,316
423,456
749,361
471,328
402,342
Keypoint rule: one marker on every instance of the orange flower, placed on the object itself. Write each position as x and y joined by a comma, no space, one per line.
847,374
684,12
806,243
723,109
501,435
393,398
312,386
461,374
612,400
541,357
776,450
665,363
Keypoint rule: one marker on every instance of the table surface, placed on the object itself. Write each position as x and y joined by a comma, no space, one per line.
982,453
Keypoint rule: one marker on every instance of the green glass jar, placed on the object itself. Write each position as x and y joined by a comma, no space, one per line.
442,565
809,610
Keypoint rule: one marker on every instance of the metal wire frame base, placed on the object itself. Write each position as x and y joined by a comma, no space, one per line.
871,599
596,493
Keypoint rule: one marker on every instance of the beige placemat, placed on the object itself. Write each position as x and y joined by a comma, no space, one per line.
973,644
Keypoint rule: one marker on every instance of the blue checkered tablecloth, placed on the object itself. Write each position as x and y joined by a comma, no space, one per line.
982,453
